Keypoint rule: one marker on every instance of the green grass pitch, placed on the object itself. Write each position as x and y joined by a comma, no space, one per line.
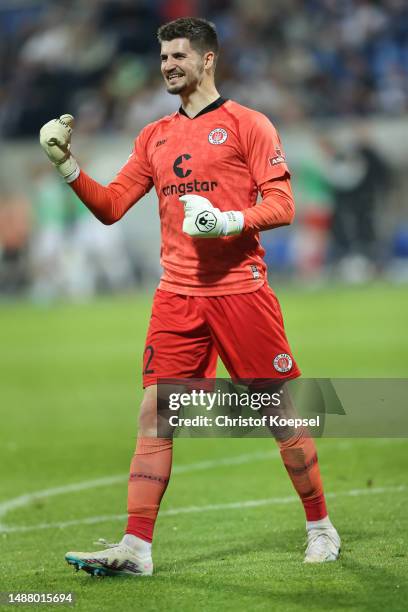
70,388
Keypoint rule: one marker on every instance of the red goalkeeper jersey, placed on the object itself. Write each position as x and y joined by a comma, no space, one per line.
227,153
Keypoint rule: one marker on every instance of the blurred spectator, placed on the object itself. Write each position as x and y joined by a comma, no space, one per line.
15,229
71,253
360,181
47,242
315,203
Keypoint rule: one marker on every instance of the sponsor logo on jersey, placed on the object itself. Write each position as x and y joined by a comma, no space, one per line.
283,362
278,159
217,136
181,170
190,187
180,167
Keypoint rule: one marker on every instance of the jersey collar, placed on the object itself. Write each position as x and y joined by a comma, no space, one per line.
213,106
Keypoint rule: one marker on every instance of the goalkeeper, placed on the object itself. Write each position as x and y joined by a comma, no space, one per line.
207,162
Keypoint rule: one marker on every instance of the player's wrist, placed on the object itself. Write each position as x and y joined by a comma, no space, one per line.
68,169
233,223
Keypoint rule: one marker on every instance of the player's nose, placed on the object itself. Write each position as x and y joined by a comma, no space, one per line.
168,66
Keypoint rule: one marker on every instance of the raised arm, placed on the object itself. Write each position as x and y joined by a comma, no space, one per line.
108,203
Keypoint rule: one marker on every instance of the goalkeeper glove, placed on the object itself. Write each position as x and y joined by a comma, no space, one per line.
203,220
55,139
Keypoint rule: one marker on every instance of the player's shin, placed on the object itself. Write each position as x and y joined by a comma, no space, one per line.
149,475
299,456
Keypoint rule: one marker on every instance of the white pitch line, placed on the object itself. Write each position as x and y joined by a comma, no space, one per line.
23,500
251,503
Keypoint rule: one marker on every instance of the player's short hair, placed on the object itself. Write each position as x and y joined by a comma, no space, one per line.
200,32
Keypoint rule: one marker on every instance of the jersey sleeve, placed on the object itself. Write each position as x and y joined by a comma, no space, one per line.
138,167
263,149
276,209
109,203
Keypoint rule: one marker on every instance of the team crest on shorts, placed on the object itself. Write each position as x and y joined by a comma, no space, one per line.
283,362
217,136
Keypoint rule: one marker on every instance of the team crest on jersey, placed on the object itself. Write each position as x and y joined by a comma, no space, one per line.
217,136
283,362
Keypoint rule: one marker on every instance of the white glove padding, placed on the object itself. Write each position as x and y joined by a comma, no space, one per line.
203,220
55,139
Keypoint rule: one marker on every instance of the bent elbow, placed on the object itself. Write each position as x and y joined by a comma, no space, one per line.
109,217
290,211
107,220
291,217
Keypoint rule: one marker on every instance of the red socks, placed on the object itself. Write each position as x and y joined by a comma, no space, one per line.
149,475
300,459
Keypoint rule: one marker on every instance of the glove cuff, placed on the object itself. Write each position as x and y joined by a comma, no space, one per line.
233,222
69,169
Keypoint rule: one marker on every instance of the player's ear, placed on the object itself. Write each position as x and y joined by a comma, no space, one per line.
209,60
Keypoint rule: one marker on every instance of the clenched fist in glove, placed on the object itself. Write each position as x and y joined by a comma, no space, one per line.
203,220
55,139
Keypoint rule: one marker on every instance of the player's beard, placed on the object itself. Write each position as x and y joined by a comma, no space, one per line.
178,89
189,85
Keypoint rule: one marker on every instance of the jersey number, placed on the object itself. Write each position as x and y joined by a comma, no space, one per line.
150,352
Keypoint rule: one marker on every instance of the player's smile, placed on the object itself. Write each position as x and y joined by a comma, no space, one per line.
174,77
174,80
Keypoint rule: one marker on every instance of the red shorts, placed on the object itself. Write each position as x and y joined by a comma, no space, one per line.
187,333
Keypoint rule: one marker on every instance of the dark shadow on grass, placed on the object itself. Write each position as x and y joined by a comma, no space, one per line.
276,542
278,595
285,593
380,585
310,589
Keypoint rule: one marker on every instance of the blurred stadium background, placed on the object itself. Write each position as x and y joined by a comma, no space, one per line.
331,74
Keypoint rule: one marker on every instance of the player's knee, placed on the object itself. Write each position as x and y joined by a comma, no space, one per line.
148,413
